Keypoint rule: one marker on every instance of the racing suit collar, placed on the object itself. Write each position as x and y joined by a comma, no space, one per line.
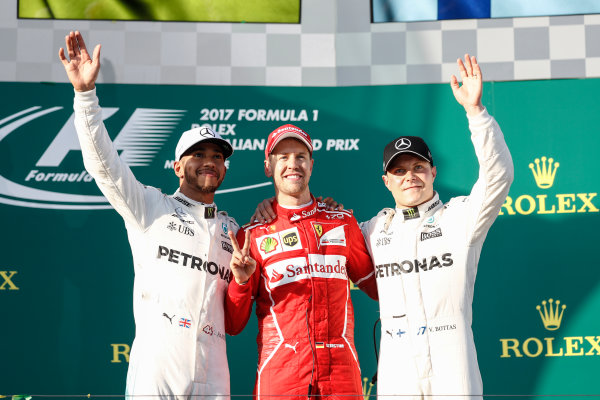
421,210
296,214
208,210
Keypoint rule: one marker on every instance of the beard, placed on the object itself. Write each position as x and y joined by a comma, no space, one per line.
191,178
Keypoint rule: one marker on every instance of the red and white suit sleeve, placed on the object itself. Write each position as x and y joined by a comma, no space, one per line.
239,298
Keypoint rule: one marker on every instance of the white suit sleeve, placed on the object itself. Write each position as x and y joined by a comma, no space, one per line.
101,160
496,173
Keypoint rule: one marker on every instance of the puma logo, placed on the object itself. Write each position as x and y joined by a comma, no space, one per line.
169,318
291,347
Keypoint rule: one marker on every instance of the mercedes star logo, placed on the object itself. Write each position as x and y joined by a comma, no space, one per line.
205,132
402,144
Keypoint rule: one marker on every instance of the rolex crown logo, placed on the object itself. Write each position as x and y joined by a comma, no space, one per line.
367,388
552,314
544,174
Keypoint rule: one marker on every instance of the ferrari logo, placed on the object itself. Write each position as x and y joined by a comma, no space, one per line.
318,229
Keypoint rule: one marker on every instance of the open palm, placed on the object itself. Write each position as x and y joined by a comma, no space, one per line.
81,69
469,93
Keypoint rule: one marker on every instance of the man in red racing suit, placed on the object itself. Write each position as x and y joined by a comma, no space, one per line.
303,261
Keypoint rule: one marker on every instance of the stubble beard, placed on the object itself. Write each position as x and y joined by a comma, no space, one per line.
192,180
292,189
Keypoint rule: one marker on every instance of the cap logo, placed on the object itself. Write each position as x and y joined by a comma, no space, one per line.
402,144
205,132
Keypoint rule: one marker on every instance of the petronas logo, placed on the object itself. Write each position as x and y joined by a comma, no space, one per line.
544,175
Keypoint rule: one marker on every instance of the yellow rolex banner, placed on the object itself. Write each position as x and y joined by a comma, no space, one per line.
67,268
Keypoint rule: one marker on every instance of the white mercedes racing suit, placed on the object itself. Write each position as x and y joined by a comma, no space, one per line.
181,253
425,263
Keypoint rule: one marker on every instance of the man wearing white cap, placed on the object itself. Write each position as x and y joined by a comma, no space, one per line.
298,269
180,245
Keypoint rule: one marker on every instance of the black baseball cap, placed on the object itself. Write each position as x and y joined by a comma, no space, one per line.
403,145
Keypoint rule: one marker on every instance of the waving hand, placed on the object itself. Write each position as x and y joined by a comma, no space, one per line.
81,69
468,94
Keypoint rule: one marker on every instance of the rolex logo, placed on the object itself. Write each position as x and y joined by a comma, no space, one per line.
551,313
367,388
544,174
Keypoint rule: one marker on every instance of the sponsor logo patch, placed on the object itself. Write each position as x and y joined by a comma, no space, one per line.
318,229
434,205
183,201
169,318
413,266
383,241
275,243
431,235
182,216
193,262
227,247
209,212
411,213
298,268
291,239
268,244
332,237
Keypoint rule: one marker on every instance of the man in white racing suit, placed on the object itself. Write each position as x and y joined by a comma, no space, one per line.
426,254
180,245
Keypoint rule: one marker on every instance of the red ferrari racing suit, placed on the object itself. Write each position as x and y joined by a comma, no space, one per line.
302,292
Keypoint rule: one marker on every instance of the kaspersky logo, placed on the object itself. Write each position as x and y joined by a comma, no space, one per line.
544,172
550,314
47,181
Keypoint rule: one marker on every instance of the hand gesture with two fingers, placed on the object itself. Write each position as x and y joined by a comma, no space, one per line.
242,265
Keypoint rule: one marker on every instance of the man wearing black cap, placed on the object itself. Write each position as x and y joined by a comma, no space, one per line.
426,253
180,245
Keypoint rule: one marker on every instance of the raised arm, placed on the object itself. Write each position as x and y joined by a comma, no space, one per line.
101,159
495,163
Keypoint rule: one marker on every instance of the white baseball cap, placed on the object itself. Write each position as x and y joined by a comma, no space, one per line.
202,134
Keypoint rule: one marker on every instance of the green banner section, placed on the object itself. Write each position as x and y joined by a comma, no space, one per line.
66,273
265,11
